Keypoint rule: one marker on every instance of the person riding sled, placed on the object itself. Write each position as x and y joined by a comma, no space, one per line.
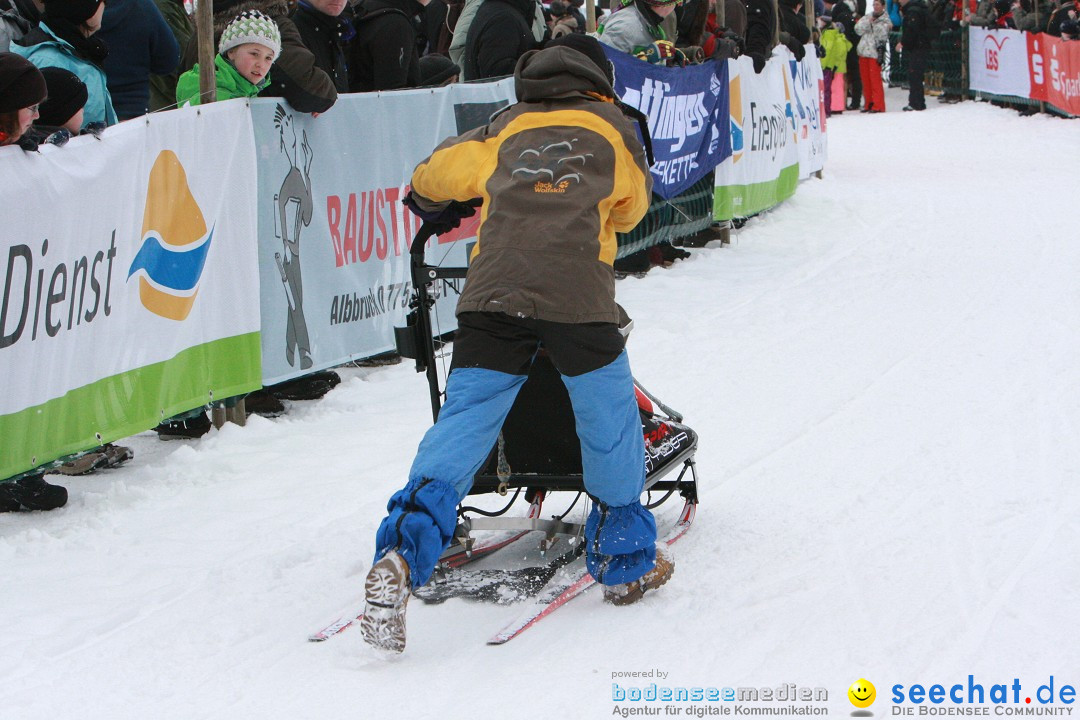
559,173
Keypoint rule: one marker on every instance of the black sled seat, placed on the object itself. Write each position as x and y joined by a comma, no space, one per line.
539,448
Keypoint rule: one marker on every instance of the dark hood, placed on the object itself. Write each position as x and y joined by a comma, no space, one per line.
558,72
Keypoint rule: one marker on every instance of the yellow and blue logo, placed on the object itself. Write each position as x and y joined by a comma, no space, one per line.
735,97
175,242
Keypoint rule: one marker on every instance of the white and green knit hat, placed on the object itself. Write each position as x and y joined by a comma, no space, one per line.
251,26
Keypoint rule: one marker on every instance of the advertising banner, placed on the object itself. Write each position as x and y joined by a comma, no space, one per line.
129,281
808,100
998,61
763,169
333,235
687,110
1055,71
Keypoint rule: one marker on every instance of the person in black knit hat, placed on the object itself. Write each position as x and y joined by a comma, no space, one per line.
65,38
438,70
64,106
21,89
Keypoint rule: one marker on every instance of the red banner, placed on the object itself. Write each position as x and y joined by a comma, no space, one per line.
1054,65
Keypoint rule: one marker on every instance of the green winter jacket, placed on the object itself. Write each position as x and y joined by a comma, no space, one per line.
230,83
836,48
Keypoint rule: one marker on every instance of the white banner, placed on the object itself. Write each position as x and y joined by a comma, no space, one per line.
998,61
764,166
129,275
330,191
808,102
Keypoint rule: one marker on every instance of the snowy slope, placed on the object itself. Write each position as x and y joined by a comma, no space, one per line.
882,373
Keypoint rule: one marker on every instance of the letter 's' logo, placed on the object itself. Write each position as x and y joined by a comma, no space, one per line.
175,242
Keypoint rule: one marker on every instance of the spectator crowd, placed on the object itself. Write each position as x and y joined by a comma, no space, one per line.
71,67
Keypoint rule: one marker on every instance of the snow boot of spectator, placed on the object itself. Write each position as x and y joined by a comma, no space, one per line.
184,428
631,592
31,493
308,387
386,593
636,264
383,360
262,402
106,456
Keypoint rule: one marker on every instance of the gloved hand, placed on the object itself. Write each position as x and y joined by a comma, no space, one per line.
759,62
443,220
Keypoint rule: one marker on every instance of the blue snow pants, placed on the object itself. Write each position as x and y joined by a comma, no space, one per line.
492,356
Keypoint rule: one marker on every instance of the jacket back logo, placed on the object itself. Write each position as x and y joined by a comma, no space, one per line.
551,168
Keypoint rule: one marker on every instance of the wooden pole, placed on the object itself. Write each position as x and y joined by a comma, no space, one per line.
590,16
776,22
721,13
204,27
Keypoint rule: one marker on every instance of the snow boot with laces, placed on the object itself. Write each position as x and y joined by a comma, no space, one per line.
386,594
631,592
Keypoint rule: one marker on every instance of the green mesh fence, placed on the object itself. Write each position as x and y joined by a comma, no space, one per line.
682,216
945,73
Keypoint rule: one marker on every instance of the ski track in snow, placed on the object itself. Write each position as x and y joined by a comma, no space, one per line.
882,375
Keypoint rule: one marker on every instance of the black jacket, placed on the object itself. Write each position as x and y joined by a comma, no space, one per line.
760,28
325,37
914,33
383,55
500,33
794,24
294,75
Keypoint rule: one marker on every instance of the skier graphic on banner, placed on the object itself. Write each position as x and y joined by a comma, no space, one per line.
294,206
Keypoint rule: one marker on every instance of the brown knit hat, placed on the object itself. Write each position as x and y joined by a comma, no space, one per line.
21,84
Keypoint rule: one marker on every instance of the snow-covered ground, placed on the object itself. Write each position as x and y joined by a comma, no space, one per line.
883,375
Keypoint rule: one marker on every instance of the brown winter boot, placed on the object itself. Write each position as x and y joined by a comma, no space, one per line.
386,593
631,592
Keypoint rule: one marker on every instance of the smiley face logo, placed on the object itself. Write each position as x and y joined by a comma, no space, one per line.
862,693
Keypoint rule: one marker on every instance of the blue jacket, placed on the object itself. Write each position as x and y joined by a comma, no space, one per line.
54,52
141,44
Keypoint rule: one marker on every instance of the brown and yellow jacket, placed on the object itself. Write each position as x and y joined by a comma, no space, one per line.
560,172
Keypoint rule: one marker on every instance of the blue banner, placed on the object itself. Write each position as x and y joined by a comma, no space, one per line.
688,111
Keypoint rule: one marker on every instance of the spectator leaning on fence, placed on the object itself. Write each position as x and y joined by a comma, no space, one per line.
296,77
327,30
246,51
384,54
760,28
60,116
22,90
141,44
65,38
873,30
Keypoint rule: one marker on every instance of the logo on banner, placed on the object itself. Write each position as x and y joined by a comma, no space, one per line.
737,142
992,51
175,242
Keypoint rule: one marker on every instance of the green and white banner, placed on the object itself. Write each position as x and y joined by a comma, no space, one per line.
763,169
129,280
